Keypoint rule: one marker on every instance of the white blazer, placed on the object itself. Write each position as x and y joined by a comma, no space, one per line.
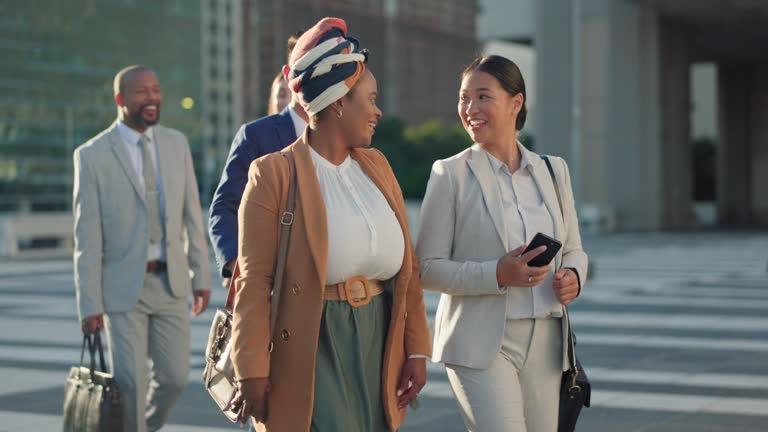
111,233
461,238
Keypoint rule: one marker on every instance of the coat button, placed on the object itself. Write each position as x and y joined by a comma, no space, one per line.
286,334
296,289
406,315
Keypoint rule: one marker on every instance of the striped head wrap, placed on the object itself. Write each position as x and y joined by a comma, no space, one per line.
325,65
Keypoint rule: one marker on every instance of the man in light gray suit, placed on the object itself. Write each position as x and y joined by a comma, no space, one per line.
140,250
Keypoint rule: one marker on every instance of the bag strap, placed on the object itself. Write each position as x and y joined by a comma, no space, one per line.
94,345
86,340
286,220
98,347
571,343
554,183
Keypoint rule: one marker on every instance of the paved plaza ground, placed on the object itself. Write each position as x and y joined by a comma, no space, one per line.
673,332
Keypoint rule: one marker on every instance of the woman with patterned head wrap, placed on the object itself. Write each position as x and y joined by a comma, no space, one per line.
351,341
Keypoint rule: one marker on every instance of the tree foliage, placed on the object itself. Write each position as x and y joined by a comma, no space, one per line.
412,150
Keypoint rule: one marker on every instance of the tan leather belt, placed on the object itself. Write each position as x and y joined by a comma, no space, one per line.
357,291
156,266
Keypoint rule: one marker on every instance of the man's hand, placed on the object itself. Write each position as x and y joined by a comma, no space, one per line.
230,267
200,300
414,373
566,286
92,324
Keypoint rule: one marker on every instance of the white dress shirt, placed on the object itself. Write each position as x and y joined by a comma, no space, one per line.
525,214
364,236
298,123
133,147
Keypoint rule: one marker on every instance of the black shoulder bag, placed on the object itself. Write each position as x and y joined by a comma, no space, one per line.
575,389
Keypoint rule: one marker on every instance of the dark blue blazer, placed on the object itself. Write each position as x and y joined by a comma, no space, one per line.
253,140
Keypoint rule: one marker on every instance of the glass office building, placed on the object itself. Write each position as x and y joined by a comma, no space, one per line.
57,62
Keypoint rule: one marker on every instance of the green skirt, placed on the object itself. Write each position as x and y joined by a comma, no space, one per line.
350,354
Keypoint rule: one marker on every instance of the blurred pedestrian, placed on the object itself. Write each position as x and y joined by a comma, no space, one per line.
135,196
253,140
353,338
499,326
279,95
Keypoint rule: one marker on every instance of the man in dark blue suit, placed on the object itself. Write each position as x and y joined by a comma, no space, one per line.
253,140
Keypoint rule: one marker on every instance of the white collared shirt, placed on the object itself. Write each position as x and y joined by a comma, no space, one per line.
525,214
298,123
130,139
364,236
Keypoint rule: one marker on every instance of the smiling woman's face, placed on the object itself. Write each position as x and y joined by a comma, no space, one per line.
487,111
360,114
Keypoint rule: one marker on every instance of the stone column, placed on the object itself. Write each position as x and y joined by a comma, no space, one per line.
552,41
758,146
734,197
674,111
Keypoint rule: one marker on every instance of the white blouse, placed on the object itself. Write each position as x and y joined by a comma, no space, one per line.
364,236
525,214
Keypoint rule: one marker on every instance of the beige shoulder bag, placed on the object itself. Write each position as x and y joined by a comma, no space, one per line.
219,374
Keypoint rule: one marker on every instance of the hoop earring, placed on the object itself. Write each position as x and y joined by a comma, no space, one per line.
339,114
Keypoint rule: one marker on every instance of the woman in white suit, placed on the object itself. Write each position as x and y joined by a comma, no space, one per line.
498,327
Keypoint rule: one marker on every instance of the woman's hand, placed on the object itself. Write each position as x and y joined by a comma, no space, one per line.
251,399
414,373
513,270
566,286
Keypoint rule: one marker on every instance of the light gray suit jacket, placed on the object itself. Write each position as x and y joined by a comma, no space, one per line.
461,238
111,231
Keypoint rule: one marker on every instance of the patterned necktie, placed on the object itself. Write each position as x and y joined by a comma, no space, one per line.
152,194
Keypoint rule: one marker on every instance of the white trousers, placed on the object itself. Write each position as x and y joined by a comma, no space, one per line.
157,328
520,391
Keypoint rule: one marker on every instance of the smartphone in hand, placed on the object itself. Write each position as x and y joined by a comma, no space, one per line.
544,258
